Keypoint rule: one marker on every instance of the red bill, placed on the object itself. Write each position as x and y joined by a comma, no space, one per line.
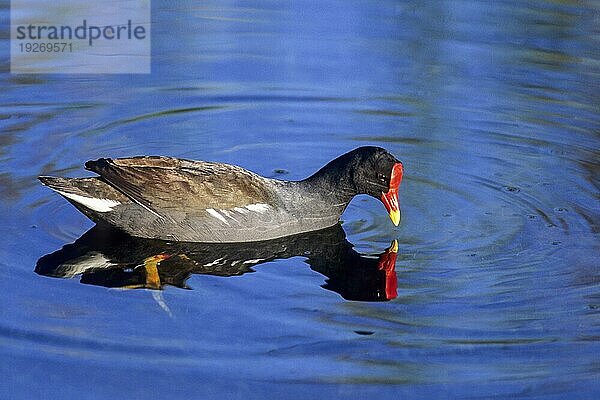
390,199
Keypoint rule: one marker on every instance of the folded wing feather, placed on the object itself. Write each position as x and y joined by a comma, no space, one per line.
165,183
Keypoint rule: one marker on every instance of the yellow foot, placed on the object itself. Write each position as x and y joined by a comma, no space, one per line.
151,267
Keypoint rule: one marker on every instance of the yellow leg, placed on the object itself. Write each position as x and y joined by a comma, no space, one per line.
151,267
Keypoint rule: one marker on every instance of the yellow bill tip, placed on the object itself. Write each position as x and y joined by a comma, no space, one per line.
393,247
395,216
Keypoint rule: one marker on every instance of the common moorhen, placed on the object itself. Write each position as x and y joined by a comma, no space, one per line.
197,201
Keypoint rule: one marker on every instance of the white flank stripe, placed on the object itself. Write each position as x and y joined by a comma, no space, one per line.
259,207
228,215
218,260
254,261
240,210
216,214
99,205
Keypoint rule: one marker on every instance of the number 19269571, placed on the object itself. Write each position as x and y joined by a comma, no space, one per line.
36,47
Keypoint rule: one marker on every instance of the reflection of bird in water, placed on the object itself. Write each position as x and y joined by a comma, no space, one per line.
111,258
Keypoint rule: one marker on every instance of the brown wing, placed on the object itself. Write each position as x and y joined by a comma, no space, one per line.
165,183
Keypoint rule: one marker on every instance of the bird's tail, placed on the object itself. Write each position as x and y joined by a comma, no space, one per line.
60,184
86,193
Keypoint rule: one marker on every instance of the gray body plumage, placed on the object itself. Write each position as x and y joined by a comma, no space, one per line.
287,208
196,201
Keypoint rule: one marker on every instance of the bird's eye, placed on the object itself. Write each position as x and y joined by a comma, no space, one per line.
381,178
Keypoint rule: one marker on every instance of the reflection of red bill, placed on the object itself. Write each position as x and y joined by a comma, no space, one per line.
390,199
387,263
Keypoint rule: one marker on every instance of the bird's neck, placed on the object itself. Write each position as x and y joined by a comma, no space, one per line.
334,182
